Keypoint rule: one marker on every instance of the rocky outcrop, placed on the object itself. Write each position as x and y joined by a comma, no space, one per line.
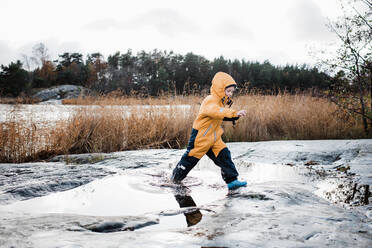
61,92
128,198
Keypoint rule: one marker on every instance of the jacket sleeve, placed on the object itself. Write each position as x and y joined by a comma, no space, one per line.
211,109
231,119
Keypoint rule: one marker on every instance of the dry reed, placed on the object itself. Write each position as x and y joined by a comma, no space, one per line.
285,116
25,142
18,100
108,128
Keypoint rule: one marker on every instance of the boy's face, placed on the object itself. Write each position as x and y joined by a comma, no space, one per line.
229,91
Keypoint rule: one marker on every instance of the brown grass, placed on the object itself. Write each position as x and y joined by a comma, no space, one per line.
130,100
24,142
18,100
108,128
291,117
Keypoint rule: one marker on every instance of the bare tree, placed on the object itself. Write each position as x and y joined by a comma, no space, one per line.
39,54
354,58
38,58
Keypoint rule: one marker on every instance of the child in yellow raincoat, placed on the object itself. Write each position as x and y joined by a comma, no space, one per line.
206,133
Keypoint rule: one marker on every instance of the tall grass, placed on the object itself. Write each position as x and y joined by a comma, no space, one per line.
108,128
285,116
23,141
18,100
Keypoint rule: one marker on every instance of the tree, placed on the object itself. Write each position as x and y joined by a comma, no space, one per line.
95,67
39,54
13,79
195,73
44,76
71,70
37,62
354,57
113,60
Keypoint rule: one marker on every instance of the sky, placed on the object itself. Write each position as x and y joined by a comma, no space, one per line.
283,32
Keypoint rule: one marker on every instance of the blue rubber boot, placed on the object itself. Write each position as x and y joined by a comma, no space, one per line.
236,184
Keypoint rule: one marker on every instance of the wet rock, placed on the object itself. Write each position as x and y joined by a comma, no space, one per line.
105,227
311,162
115,226
343,168
120,160
90,158
251,196
26,181
310,235
315,158
344,190
366,194
141,207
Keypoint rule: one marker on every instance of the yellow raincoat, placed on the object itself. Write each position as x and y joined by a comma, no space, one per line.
211,114
206,133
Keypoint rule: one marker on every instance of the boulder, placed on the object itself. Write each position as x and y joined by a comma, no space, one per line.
61,92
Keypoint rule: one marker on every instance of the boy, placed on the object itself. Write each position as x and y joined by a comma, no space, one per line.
206,133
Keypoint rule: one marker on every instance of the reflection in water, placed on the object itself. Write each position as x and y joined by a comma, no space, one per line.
193,217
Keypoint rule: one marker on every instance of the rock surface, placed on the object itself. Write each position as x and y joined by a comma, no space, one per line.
61,92
297,196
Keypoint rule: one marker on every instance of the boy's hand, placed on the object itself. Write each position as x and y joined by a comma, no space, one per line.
242,113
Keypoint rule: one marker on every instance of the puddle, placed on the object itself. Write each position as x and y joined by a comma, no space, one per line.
129,194
111,196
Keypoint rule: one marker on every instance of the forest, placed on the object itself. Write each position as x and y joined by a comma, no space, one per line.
151,73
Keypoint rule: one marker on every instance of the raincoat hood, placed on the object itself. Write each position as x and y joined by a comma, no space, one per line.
219,83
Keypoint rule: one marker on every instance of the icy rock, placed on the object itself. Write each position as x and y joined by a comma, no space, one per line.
90,158
293,205
117,226
26,181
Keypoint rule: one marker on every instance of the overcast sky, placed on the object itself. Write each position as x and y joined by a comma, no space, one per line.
281,31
